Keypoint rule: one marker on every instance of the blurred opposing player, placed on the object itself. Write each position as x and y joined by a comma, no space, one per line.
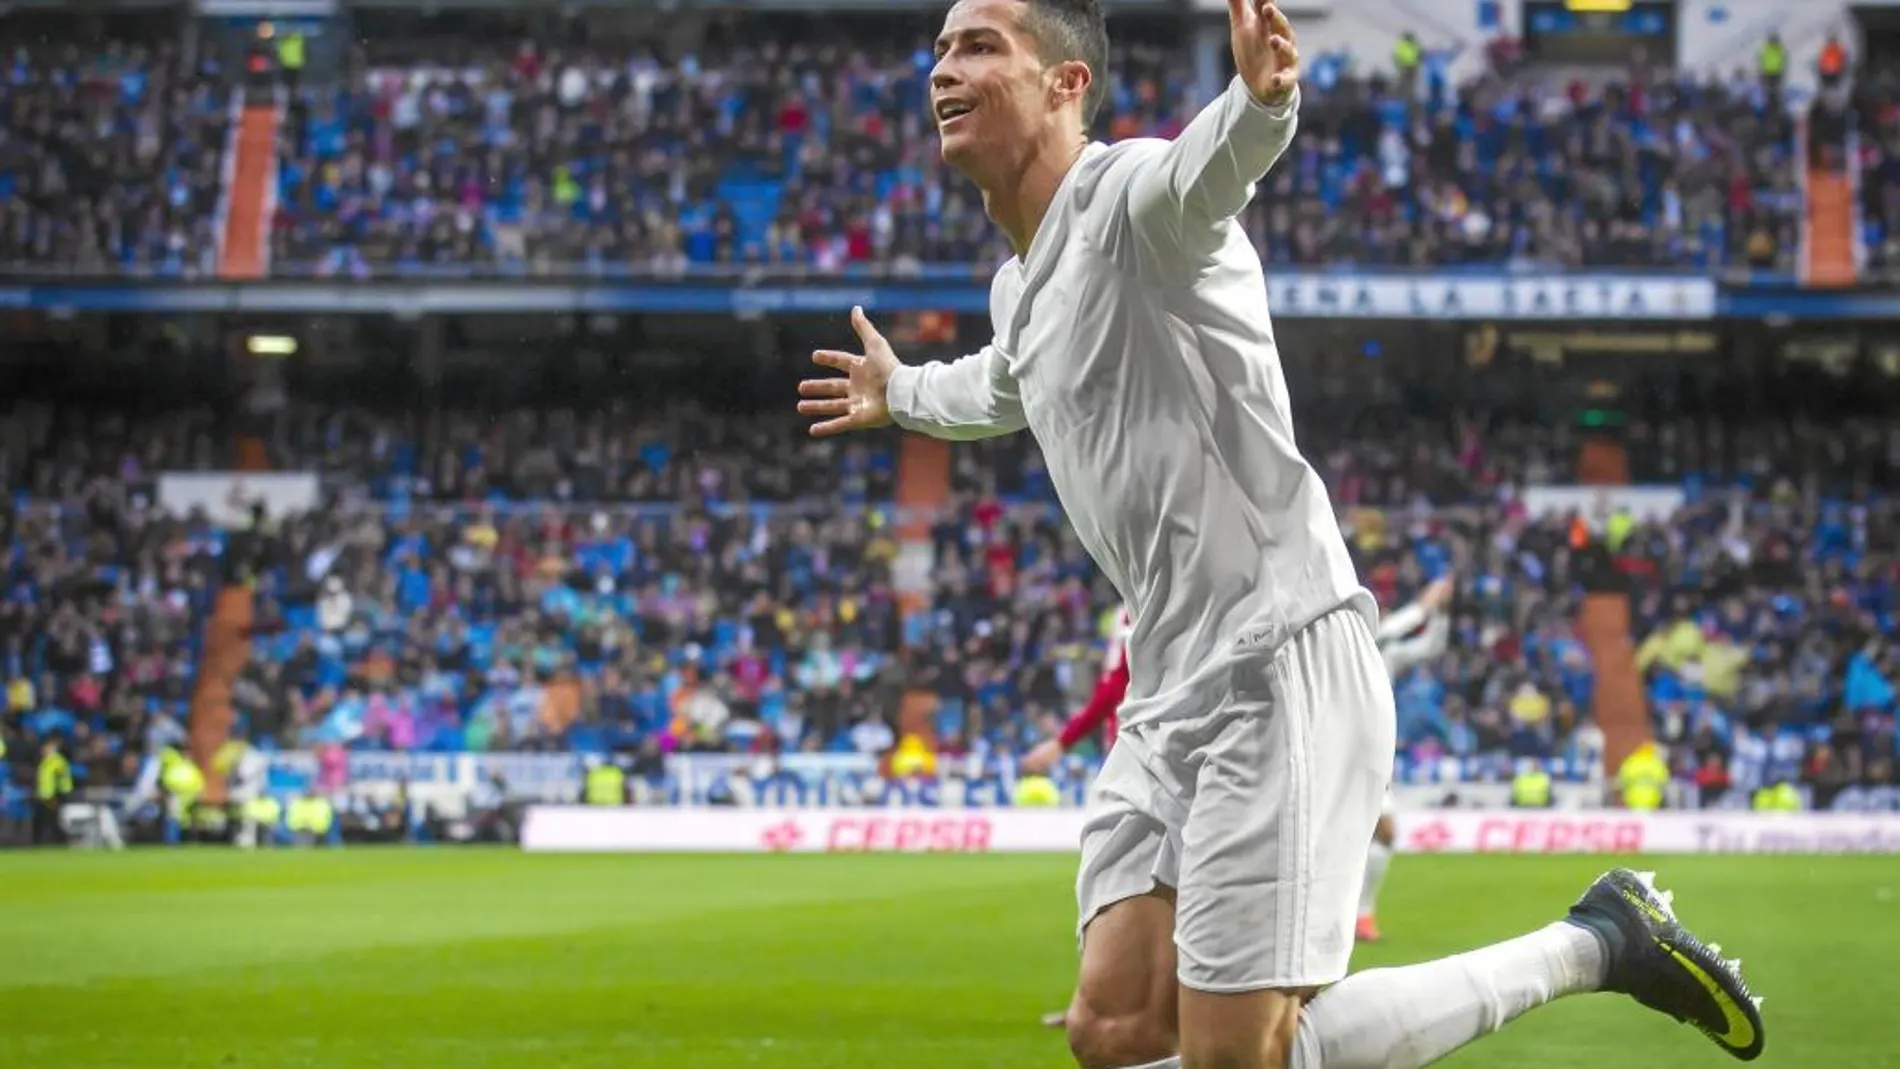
1225,843
1409,637
1098,716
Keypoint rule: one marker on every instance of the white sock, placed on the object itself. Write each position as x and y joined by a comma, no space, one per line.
1376,861
1410,1017
1165,1063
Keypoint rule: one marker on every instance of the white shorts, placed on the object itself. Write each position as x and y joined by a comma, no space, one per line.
1257,813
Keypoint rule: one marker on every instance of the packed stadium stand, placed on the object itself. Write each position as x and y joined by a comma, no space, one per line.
577,554
465,152
811,155
113,156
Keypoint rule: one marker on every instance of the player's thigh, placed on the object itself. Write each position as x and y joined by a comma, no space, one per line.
1287,790
1125,1011
1240,1030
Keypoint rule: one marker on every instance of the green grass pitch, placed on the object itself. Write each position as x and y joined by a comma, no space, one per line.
473,958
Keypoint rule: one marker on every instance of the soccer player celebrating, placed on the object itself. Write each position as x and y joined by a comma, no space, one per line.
1407,638
1225,844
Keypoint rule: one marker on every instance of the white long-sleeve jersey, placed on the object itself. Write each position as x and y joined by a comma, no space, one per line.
1411,636
1133,340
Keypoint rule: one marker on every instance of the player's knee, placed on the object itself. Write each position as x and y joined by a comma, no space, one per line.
1253,1032
1272,1051
1116,1041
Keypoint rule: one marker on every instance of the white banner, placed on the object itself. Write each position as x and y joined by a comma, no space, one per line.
1650,504
226,496
694,830
1503,297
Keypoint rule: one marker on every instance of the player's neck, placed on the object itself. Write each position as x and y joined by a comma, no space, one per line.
1018,200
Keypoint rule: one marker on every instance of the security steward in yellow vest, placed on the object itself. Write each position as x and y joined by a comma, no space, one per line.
261,816
1530,789
290,58
1406,57
1783,797
1773,61
1644,777
606,784
50,788
184,784
311,819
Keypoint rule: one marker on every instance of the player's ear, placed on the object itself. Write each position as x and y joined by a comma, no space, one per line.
1072,81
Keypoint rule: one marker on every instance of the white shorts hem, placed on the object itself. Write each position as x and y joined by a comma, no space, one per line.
1251,986
1110,900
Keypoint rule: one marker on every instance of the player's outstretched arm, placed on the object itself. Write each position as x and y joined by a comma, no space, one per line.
1419,632
971,398
1207,174
1110,689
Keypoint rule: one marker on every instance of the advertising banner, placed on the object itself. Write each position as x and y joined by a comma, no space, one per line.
899,831
700,830
1611,831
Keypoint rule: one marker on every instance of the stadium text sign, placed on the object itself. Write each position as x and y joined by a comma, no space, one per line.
1453,296
723,830
903,831
1618,832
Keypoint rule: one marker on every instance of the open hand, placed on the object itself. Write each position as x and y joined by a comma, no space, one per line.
855,401
1039,761
1266,54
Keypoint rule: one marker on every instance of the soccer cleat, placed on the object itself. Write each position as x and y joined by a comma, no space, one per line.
1367,930
1653,959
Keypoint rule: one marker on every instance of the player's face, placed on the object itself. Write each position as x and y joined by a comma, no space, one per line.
989,92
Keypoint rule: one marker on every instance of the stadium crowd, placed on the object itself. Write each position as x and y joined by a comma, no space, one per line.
814,155
111,159
819,156
582,582
1877,126
106,595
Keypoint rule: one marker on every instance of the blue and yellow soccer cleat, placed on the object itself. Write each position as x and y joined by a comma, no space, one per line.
1654,960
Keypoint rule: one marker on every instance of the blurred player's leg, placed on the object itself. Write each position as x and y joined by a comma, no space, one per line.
1124,1012
1377,860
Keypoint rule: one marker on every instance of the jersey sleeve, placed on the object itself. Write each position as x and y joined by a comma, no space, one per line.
1207,174
970,398
1109,691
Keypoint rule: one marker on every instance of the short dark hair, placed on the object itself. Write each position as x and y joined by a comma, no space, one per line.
1067,30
